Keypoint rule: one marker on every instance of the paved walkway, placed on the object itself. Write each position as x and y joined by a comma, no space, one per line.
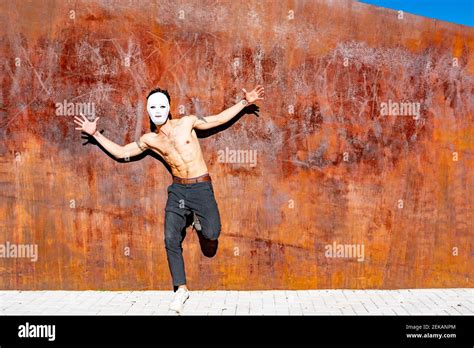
302,302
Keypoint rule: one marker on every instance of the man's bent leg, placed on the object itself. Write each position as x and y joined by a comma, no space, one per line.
203,203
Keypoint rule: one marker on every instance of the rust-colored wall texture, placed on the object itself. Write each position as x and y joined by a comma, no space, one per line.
335,191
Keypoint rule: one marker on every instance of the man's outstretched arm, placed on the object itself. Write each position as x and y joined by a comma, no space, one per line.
207,122
116,150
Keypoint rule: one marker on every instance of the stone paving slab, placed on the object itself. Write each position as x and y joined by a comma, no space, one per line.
274,302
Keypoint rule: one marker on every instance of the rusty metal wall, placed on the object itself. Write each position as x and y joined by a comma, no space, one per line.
330,170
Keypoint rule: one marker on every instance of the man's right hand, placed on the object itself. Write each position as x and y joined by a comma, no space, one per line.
85,125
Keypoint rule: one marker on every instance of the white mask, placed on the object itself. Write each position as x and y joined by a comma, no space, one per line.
158,108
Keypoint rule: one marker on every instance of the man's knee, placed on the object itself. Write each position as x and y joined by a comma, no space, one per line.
212,233
174,223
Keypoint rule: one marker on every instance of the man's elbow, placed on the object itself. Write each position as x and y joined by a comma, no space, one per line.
120,153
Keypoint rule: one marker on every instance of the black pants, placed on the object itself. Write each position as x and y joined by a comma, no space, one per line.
183,199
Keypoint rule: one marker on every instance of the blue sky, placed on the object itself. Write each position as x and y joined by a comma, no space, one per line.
456,11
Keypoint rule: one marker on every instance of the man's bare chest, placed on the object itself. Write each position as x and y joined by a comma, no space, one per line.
176,142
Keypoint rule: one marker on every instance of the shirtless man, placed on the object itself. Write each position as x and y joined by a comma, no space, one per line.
191,192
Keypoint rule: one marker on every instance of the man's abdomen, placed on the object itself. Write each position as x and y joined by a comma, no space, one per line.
189,171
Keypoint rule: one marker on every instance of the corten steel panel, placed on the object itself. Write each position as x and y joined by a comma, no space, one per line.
329,167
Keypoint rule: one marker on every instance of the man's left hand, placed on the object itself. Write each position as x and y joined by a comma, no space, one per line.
256,94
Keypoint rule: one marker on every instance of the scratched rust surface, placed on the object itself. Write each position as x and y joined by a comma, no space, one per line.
329,167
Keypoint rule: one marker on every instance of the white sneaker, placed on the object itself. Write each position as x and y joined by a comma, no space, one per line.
196,223
179,298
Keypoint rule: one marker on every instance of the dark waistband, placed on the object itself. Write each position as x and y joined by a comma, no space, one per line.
201,178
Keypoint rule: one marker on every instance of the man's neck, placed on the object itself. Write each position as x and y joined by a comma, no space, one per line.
164,128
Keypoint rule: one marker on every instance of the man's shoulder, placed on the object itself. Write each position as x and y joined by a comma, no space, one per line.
188,119
148,136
